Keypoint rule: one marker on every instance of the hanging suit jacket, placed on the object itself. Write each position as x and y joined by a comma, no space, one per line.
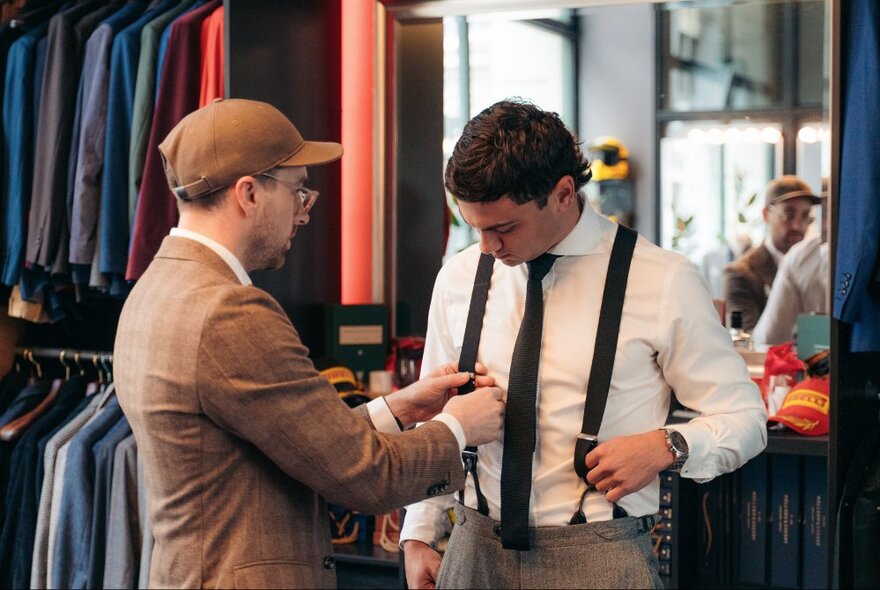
856,293
48,232
747,282
241,438
178,96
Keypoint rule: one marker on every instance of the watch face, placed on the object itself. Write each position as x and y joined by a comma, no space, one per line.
678,442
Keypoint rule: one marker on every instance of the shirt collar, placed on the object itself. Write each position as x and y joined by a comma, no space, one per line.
775,254
586,237
221,251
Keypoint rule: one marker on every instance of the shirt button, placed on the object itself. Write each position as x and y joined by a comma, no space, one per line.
329,563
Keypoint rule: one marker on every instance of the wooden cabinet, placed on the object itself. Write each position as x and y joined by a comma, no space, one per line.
711,543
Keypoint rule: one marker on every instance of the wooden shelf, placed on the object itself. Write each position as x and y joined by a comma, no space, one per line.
786,442
361,554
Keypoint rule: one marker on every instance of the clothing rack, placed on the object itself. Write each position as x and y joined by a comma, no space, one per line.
67,354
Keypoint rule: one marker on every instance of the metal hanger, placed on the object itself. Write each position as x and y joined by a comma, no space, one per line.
64,364
78,366
98,369
37,368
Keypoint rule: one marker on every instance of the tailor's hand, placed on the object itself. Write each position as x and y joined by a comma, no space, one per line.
626,464
481,414
425,398
422,564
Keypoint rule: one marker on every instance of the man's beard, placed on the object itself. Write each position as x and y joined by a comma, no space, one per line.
263,255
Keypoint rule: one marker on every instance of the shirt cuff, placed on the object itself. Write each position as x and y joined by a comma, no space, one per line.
455,426
381,415
426,521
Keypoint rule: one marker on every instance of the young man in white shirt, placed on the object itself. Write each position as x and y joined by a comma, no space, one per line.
517,174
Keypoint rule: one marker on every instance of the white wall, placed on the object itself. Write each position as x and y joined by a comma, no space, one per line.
617,90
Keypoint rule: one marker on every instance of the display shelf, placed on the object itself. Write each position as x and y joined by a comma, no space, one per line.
365,566
779,442
786,442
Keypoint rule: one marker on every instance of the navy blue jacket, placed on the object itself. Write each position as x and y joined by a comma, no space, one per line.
857,275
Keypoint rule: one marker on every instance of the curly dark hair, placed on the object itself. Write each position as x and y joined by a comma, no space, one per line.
514,149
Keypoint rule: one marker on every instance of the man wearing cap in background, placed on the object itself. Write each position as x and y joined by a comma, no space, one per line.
241,438
800,285
788,204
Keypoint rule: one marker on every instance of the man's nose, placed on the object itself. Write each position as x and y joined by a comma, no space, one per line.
489,244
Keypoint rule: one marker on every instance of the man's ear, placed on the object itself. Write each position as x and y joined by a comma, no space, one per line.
245,195
565,193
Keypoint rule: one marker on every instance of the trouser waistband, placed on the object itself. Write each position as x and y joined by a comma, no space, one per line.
592,532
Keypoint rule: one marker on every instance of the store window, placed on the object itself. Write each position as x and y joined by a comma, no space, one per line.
713,177
489,57
742,100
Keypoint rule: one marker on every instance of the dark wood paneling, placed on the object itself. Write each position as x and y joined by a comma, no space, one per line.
418,180
289,54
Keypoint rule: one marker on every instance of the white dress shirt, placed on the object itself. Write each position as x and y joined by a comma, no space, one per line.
221,251
380,413
670,338
799,287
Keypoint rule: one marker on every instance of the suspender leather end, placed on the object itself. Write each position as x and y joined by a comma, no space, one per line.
469,458
468,387
585,443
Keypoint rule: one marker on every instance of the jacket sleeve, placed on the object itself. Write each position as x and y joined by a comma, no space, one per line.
256,381
739,294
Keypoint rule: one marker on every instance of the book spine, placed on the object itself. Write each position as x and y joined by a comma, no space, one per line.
814,537
753,521
785,543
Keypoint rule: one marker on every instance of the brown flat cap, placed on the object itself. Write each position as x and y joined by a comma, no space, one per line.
229,138
788,187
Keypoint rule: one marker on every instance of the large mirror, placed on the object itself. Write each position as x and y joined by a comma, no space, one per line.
707,101
688,109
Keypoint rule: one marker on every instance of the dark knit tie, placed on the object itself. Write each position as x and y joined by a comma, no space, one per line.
520,415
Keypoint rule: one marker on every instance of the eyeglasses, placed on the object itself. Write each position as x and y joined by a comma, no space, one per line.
787,215
306,195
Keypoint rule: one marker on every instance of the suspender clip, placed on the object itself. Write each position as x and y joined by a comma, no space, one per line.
469,458
585,443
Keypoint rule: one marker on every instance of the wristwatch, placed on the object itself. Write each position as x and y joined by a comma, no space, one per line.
678,446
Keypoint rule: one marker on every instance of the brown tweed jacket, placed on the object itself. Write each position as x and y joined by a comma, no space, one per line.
747,282
242,440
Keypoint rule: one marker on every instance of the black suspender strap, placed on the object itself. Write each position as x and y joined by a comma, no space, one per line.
468,359
606,345
474,327
604,352
600,372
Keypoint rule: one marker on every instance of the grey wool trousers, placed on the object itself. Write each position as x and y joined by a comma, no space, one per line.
610,554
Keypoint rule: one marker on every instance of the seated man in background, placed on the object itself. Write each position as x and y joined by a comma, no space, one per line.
799,288
788,203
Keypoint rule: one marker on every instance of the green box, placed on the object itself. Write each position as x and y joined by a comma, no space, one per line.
357,337
813,334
